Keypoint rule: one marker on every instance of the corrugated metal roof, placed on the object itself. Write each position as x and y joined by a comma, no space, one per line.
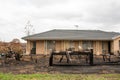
73,35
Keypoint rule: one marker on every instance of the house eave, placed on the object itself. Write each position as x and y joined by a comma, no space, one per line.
71,39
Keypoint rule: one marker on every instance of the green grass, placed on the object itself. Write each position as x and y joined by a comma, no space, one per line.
59,76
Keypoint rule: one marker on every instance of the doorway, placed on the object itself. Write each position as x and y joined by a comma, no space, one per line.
33,50
109,46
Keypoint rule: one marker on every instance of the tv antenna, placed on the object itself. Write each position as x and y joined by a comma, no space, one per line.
77,26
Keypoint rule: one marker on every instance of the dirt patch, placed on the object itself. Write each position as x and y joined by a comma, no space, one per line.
28,66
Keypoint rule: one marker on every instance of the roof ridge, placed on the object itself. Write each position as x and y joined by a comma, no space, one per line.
78,30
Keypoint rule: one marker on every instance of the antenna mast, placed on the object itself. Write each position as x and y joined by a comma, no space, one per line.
77,26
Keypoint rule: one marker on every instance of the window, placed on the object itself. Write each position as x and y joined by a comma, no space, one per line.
105,47
50,44
87,44
71,44
34,44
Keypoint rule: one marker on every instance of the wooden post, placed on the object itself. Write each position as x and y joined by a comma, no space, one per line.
68,56
61,58
91,57
51,59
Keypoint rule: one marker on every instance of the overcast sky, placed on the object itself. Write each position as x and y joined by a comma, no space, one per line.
45,15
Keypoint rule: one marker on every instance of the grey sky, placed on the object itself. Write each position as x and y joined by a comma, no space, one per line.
57,14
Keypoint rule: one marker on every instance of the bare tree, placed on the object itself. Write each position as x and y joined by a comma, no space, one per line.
29,29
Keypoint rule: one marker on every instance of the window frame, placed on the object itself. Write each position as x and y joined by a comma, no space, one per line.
51,44
87,45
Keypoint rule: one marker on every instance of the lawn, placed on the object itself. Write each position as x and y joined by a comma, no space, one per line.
59,76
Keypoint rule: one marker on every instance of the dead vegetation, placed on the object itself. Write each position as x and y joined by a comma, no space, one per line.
29,66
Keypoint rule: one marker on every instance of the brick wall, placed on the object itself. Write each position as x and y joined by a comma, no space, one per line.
63,45
58,45
97,47
28,47
40,47
116,45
